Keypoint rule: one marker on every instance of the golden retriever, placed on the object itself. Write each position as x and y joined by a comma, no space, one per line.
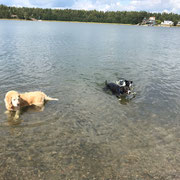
14,100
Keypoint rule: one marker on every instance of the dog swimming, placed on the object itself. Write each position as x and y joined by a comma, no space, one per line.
120,88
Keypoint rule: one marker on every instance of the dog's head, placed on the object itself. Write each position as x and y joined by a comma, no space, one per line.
15,100
12,100
127,90
123,83
126,85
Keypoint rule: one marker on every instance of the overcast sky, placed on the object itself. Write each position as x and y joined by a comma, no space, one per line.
101,5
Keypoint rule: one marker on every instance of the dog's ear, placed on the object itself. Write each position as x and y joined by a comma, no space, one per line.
127,83
8,102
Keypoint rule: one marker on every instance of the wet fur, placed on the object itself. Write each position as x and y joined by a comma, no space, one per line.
36,98
118,90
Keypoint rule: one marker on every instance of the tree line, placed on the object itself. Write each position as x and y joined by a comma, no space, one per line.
123,17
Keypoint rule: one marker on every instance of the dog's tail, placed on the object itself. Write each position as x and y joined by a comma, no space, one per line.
47,98
106,83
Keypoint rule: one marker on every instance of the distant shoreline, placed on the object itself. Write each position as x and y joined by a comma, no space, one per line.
87,22
89,16
67,21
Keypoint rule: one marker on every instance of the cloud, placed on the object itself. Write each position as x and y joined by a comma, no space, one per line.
38,3
140,5
102,5
18,3
91,5
156,5
175,5
129,5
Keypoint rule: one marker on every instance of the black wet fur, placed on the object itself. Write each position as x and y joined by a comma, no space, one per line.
117,90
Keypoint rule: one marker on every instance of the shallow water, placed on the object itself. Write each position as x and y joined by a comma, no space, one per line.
88,133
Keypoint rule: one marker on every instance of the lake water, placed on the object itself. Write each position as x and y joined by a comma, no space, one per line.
88,133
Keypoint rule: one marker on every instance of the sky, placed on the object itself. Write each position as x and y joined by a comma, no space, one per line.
101,5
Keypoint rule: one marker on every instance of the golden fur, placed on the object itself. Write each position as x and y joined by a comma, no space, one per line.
14,100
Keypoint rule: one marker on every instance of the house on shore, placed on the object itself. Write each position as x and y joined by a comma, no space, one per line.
150,22
167,23
14,16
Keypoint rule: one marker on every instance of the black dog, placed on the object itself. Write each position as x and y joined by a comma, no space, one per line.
120,87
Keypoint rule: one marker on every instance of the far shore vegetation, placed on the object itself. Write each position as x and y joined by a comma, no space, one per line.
120,17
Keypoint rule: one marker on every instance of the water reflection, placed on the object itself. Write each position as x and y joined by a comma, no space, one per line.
15,117
12,120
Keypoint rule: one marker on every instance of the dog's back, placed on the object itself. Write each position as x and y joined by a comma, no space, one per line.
115,89
36,97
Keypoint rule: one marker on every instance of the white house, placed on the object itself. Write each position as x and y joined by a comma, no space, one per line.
178,24
167,23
